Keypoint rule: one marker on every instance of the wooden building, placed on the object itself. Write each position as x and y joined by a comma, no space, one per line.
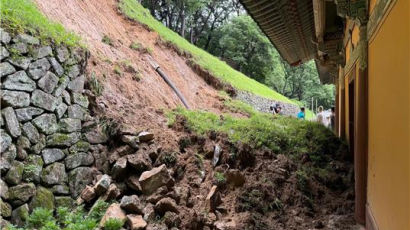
363,47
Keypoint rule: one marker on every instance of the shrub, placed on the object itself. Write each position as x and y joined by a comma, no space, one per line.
77,219
113,224
95,85
117,70
107,40
220,178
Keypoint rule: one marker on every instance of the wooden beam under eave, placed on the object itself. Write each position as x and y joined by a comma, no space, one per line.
319,13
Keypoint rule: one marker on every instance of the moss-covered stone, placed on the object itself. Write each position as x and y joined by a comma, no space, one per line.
64,201
81,146
5,209
44,198
32,169
54,174
62,139
22,192
15,174
20,215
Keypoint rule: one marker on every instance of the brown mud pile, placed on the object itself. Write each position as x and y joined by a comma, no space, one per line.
257,188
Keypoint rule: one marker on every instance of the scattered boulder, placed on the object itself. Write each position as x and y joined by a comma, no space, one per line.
88,194
155,178
145,136
136,222
133,183
222,225
114,211
119,168
140,161
235,177
102,184
172,219
131,204
213,199
149,212
166,205
131,140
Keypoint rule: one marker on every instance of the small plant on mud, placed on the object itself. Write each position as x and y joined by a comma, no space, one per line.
113,224
109,126
302,181
95,85
149,50
117,70
168,158
136,46
137,76
65,218
220,178
199,160
107,40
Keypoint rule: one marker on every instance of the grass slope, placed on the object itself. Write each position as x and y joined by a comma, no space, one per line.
281,134
220,69
19,16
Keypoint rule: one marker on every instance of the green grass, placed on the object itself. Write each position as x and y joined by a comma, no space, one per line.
220,69
18,16
280,134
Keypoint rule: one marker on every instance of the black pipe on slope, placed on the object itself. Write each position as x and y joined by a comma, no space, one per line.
169,82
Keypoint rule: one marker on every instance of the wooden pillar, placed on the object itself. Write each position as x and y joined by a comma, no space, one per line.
361,133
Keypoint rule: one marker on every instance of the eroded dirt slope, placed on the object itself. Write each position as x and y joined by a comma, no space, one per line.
136,103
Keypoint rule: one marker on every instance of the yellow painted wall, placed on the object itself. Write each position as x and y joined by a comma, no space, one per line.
389,112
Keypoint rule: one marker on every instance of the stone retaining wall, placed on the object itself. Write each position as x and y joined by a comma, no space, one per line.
263,104
46,155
